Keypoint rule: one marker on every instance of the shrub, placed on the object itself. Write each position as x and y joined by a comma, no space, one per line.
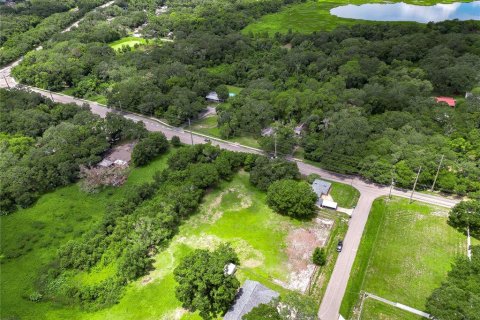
319,256
175,141
147,149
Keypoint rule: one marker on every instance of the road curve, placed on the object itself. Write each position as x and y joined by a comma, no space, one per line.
330,306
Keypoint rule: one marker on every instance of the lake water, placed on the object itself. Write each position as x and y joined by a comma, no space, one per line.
408,12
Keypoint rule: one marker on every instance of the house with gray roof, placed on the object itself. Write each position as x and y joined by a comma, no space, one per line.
321,187
250,295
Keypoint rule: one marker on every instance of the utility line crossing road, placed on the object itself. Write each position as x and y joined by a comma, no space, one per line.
330,306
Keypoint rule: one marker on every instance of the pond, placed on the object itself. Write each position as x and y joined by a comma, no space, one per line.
408,12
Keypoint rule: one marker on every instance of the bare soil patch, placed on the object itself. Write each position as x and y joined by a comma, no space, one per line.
121,152
300,245
213,211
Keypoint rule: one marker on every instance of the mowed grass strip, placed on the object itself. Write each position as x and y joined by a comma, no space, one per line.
405,252
376,310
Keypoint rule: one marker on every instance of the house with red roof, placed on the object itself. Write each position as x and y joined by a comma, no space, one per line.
448,100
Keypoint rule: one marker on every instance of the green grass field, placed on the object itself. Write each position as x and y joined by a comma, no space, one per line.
345,195
209,127
376,310
233,89
315,16
30,238
405,253
234,212
127,41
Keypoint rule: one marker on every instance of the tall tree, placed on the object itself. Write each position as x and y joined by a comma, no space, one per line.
292,198
203,284
466,215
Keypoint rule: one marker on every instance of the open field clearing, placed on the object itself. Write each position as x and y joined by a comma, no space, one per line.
127,41
31,237
209,127
405,253
274,250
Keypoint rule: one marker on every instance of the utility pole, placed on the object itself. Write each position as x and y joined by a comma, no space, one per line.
415,184
438,170
190,129
391,187
5,78
51,96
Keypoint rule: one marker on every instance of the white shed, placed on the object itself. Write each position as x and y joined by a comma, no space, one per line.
329,204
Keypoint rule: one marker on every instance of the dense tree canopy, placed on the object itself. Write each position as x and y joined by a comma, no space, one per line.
459,296
292,198
26,24
364,94
203,284
265,171
263,312
44,144
319,256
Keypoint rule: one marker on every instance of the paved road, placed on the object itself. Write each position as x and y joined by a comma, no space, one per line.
329,309
330,306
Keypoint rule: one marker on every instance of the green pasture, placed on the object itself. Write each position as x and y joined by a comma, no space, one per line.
30,238
127,41
234,212
313,16
405,252
208,126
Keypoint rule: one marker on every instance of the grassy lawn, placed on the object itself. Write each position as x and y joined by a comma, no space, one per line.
376,310
405,253
100,98
30,238
127,41
315,16
209,127
345,195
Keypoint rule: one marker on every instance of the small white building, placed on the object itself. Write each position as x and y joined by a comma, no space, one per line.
328,204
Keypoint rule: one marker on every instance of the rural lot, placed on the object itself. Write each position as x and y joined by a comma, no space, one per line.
239,159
